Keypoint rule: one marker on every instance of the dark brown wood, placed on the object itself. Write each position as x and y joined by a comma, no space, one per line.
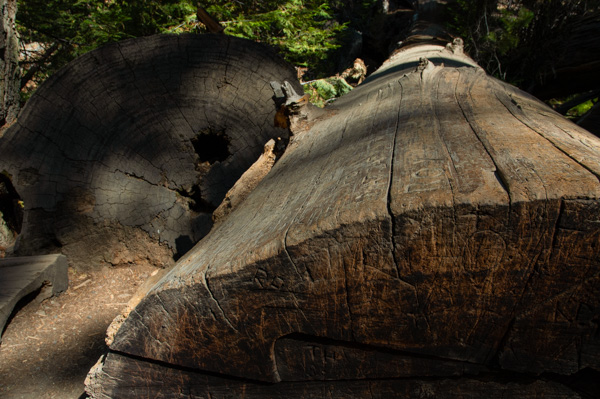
434,222
122,155
302,358
211,24
153,380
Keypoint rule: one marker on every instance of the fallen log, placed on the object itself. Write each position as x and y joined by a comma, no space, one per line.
122,155
25,275
434,223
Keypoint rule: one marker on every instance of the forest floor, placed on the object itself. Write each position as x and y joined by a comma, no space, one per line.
48,347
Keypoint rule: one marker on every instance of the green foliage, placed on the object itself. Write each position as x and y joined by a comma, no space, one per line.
581,109
579,104
507,35
322,91
305,32
65,29
87,24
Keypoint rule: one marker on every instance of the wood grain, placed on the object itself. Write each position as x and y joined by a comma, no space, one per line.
105,149
154,380
434,222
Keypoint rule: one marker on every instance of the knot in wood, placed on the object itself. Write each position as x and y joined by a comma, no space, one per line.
456,47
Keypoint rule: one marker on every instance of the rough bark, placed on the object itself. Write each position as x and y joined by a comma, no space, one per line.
9,64
434,223
247,182
123,154
575,69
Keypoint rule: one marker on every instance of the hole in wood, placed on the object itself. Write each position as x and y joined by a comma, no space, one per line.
11,213
196,202
211,146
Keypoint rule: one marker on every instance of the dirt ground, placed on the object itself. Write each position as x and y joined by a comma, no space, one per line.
48,347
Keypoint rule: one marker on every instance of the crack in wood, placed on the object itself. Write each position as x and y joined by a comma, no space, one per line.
205,280
467,113
393,226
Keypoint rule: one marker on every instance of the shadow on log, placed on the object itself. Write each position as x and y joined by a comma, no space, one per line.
434,223
123,154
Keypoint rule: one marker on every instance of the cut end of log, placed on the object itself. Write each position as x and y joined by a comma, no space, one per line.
145,138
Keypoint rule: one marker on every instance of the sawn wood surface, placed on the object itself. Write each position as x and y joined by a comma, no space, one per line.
113,156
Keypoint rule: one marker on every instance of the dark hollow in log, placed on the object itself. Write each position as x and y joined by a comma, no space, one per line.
123,154
435,222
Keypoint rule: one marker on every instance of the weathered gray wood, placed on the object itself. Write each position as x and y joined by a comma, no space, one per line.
23,275
121,156
434,219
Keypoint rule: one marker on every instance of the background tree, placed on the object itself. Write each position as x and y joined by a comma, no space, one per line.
9,57
549,48
56,32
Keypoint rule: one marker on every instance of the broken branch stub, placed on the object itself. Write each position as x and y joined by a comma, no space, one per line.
434,223
294,110
124,153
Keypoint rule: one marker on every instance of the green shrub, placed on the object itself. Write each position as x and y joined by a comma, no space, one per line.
322,91
304,31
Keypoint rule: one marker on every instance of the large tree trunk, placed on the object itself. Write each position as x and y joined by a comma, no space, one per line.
122,155
9,64
433,223
576,67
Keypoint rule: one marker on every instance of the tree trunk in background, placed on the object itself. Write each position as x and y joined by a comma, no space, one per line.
576,71
9,65
434,233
